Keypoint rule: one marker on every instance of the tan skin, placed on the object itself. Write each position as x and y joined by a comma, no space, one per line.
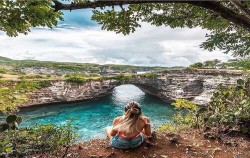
145,129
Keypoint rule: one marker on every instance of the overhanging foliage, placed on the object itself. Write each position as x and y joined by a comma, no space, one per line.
228,21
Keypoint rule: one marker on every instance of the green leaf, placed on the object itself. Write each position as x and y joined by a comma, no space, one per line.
240,82
244,130
11,118
202,110
4,127
19,120
8,149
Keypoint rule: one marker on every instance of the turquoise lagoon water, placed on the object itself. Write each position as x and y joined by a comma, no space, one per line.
93,116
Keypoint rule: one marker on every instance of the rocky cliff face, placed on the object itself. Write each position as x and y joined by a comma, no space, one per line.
62,91
197,86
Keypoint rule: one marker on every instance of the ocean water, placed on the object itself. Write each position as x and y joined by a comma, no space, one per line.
92,117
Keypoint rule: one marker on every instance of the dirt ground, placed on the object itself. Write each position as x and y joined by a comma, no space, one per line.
188,144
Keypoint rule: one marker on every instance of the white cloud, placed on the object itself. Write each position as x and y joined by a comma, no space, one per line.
149,45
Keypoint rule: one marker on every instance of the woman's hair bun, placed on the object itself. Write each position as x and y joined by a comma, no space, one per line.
134,111
133,108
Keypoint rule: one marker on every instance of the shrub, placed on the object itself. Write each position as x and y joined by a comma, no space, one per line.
150,75
171,128
48,76
12,123
13,95
76,79
31,77
122,78
229,110
16,73
9,98
187,113
41,138
197,65
106,77
27,86
165,71
12,72
230,107
3,71
191,69
94,75
42,84
67,75
82,75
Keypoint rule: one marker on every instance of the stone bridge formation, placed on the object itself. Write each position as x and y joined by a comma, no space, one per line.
197,86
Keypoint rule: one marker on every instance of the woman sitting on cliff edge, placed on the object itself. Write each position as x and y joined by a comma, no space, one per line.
128,130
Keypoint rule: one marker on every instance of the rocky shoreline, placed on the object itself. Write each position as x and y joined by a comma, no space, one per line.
168,86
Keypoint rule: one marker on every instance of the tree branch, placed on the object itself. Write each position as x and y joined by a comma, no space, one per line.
96,4
57,5
225,13
214,6
241,8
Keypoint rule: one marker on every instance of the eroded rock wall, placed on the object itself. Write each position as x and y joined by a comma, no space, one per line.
62,91
197,86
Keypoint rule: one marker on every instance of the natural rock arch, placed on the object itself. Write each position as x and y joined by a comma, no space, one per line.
197,86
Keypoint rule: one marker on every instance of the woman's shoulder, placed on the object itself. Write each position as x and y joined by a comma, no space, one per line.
117,119
145,119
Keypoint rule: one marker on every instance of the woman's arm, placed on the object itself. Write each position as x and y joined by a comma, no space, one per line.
113,132
147,127
115,122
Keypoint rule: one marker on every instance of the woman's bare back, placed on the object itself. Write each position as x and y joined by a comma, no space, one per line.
141,126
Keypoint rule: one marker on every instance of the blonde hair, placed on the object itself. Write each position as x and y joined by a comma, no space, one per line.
128,125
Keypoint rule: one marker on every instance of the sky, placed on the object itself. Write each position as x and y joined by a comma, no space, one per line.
79,39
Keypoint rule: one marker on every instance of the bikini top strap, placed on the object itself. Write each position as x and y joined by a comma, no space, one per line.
121,135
